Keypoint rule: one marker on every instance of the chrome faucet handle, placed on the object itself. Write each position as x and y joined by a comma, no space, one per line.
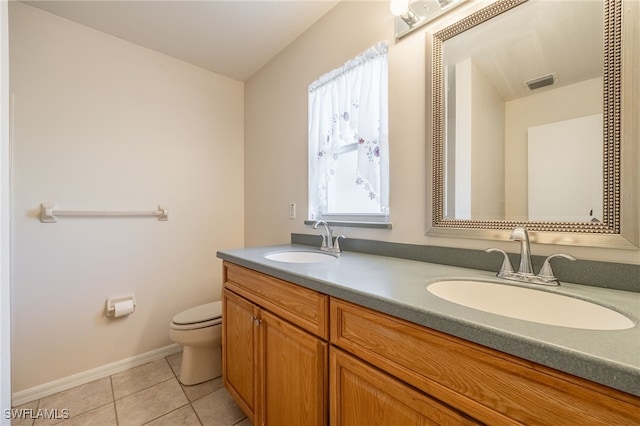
324,240
336,243
546,273
506,267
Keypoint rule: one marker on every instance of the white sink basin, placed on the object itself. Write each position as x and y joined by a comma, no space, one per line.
530,305
301,257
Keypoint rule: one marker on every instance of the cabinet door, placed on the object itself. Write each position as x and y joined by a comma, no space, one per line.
364,395
294,374
239,351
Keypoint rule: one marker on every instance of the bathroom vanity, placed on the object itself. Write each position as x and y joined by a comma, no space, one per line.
359,340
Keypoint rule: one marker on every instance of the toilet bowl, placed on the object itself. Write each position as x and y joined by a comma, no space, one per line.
199,331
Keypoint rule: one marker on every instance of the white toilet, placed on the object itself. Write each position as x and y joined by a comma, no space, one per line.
199,331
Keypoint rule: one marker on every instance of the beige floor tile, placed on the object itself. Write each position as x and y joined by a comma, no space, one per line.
151,403
184,416
198,391
245,422
175,362
141,377
218,409
23,414
102,416
147,394
77,400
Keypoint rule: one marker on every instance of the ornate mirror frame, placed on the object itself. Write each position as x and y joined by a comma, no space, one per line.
611,232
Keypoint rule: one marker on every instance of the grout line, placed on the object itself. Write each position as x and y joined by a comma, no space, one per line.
189,402
147,388
33,421
172,370
113,400
194,411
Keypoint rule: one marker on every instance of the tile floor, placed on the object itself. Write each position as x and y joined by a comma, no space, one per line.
149,394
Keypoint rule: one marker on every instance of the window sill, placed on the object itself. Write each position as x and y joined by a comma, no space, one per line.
353,224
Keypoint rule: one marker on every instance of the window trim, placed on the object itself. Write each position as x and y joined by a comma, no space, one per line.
352,223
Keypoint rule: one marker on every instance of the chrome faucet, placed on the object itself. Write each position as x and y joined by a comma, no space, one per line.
525,271
521,234
328,243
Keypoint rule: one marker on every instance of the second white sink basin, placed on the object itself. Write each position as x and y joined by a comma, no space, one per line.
530,305
301,256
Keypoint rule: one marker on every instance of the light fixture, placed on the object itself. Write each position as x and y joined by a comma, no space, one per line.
400,9
412,14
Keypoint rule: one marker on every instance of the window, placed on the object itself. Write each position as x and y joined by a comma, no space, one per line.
348,141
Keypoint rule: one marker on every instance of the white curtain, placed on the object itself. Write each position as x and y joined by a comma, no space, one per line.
349,105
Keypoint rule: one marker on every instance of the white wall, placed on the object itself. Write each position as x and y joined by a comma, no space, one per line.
276,133
488,149
463,145
104,124
479,145
564,168
549,106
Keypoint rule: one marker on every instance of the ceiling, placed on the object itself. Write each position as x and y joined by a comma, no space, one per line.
234,38
537,38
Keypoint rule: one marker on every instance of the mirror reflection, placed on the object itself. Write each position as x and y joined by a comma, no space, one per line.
523,116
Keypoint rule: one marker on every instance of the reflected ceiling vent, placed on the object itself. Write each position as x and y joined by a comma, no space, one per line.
545,80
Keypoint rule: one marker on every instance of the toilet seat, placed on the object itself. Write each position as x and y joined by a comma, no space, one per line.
201,316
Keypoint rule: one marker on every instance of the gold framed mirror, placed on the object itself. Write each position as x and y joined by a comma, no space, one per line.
472,54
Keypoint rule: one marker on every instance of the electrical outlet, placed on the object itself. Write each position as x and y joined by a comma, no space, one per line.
292,210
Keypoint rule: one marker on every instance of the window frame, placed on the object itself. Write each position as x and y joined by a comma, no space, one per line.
370,220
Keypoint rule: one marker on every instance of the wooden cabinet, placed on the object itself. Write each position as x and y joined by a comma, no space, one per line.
364,395
490,386
275,368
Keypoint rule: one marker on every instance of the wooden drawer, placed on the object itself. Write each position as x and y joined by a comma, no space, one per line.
489,385
363,395
305,308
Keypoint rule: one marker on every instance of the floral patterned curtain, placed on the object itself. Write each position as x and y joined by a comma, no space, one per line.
349,106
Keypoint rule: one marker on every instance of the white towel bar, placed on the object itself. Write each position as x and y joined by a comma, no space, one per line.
48,213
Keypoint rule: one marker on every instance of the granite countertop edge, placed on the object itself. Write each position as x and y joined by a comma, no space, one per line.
515,337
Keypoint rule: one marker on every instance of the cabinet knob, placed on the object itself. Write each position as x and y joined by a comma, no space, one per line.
256,320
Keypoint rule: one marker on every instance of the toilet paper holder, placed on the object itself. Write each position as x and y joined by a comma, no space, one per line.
126,305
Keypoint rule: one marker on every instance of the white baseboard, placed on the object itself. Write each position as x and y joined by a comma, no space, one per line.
46,389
